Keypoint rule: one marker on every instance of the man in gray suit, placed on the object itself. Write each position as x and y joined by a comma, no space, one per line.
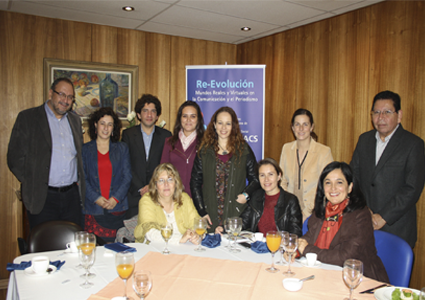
45,156
389,164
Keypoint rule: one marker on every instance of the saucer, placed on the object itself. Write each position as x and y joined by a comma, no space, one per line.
30,271
304,263
68,250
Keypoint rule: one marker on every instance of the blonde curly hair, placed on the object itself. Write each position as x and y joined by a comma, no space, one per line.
171,172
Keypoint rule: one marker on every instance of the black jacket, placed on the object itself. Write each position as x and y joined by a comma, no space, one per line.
203,183
287,212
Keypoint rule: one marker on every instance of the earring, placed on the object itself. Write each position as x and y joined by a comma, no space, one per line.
324,201
112,133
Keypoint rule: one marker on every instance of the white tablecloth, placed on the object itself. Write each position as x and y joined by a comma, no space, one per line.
64,284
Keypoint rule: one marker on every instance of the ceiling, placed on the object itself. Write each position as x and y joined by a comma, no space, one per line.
212,20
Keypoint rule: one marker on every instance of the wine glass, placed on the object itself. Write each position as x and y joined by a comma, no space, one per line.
226,226
77,243
236,227
200,227
87,242
124,263
352,273
166,232
87,258
422,294
142,283
281,249
290,243
273,239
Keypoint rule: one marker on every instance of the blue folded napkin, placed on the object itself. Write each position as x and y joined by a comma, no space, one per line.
119,247
212,241
259,247
26,264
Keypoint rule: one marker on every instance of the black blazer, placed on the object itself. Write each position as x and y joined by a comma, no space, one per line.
393,187
30,151
141,169
287,212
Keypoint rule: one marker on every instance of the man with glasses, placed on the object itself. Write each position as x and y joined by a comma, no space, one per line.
45,156
389,165
145,143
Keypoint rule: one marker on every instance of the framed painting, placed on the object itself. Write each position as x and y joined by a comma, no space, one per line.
96,84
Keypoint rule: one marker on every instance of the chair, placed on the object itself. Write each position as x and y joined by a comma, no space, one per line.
305,227
396,255
52,235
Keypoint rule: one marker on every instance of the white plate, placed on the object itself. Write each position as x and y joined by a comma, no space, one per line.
385,292
304,263
30,271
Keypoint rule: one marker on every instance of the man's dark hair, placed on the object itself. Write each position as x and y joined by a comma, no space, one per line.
62,79
388,95
147,99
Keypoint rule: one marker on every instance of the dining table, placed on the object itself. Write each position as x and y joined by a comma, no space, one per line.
215,273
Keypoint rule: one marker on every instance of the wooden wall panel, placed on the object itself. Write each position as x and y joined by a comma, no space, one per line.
131,51
104,44
157,80
339,64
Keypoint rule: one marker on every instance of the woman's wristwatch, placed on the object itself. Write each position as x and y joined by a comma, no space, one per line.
246,196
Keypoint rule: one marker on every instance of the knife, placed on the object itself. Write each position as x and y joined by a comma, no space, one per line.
370,291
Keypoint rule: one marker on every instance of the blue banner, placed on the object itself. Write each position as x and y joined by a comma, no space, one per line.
239,86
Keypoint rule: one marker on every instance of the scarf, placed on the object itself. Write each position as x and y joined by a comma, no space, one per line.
186,140
331,224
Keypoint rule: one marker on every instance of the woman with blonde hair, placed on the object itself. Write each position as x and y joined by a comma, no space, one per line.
166,203
223,165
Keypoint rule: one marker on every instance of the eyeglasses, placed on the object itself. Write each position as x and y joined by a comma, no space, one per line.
63,96
162,181
385,113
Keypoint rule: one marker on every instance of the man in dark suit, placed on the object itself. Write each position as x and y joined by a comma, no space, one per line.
145,144
45,156
389,164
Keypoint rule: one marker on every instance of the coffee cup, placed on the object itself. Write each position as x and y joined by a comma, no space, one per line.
259,236
72,247
40,264
311,259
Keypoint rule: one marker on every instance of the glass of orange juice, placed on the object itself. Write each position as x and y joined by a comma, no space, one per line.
200,227
86,244
87,260
124,262
273,239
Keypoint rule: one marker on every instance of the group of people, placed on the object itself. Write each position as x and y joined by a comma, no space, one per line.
161,177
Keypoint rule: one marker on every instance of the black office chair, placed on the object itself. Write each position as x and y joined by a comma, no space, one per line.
52,235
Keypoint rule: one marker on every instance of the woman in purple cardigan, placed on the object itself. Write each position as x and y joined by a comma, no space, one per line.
180,149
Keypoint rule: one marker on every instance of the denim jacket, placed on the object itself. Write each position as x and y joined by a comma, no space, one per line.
121,177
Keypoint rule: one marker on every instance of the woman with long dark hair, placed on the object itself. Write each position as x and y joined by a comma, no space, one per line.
341,226
303,160
181,148
108,175
223,164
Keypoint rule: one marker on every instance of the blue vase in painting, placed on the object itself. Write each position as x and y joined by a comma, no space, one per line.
108,91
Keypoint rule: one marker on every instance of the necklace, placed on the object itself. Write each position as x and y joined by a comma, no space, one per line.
224,151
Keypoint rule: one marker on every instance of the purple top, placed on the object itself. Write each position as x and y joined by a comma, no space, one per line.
182,160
